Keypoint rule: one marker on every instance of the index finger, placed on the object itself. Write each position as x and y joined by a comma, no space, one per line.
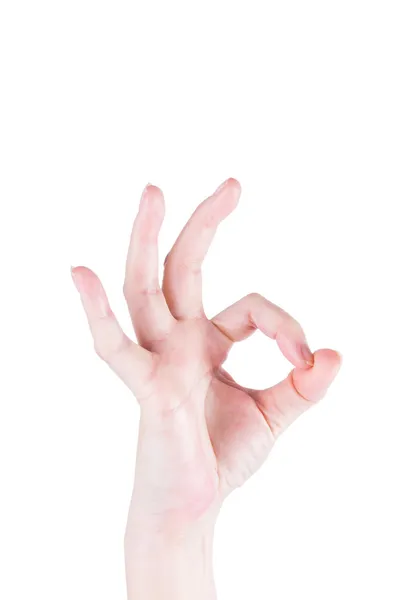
252,312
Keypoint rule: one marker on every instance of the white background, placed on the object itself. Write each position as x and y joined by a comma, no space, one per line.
300,102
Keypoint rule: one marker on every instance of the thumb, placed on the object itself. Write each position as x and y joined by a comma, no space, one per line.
282,403
313,383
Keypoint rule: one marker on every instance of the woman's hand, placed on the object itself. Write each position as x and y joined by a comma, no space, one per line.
201,434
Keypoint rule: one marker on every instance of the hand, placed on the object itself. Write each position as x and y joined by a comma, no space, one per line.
201,434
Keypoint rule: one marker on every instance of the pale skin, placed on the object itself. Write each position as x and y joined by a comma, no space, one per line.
201,434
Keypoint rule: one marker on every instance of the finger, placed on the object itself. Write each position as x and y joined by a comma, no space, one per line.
253,312
132,363
182,275
149,311
302,388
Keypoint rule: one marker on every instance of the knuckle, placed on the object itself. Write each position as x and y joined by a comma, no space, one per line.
108,350
141,291
184,265
150,290
102,350
256,297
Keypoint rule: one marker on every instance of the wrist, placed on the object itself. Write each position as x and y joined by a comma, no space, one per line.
182,492
169,559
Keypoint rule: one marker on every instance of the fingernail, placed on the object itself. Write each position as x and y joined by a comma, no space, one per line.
222,186
73,275
307,355
144,195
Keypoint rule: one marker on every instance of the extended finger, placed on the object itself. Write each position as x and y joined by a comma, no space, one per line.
282,403
254,312
130,362
149,311
182,283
